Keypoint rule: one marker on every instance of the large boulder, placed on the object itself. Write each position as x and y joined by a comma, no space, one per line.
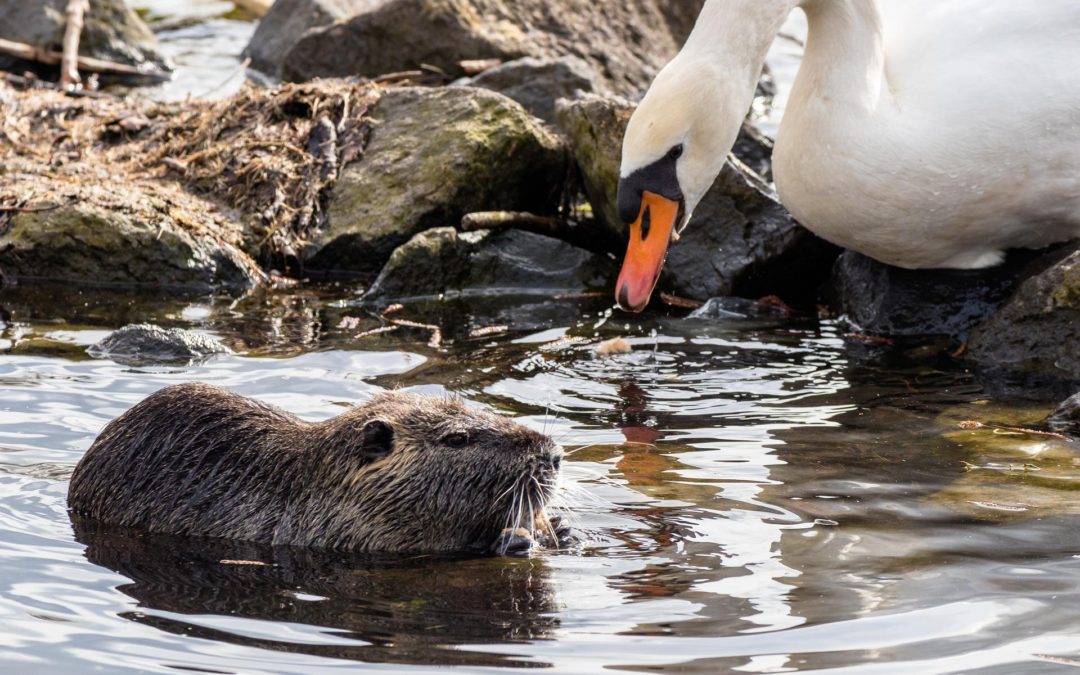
741,241
1036,333
286,23
444,260
111,30
626,42
434,156
144,236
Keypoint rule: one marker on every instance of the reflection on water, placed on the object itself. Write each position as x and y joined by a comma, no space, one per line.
755,494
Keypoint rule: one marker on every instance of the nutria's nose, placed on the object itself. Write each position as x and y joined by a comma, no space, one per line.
553,458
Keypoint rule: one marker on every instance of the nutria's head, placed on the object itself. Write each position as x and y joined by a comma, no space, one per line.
412,473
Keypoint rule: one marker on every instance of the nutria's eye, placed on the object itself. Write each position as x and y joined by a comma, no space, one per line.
456,440
675,152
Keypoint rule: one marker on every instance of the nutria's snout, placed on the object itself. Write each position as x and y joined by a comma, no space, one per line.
401,473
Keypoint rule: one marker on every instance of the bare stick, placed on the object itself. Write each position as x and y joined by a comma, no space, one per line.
492,220
85,63
69,63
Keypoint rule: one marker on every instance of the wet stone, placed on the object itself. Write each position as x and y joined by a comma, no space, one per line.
143,344
1036,334
443,260
1066,418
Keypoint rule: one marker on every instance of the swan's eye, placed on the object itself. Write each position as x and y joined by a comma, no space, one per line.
456,440
675,152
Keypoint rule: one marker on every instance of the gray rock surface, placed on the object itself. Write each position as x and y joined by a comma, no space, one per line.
625,42
286,23
111,30
146,344
537,83
1066,419
443,260
434,156
1037,331
740,241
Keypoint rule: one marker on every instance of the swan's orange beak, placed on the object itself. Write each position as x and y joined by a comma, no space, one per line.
650,235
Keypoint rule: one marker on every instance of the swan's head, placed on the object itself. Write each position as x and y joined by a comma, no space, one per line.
675,146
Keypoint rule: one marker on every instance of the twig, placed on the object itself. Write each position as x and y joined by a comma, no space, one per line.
971,425
85,63
492,220
69,60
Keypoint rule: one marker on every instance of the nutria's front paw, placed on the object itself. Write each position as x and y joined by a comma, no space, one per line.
513,542
560,533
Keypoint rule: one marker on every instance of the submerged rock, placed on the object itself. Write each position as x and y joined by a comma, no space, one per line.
1036,333
626,42
537,83
1066,418
286,23
740,241
143,344
444,260
434,156
111,30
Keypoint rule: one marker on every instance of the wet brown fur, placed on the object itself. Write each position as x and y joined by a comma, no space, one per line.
197,460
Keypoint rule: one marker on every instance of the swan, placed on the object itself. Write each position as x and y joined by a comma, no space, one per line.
922,133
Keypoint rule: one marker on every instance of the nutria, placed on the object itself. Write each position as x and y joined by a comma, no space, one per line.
400,473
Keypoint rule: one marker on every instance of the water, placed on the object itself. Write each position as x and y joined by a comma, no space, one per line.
762,495
755,495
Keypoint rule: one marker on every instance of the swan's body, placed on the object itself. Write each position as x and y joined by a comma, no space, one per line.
923,133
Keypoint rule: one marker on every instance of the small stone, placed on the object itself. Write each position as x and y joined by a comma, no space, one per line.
147,344
1066,419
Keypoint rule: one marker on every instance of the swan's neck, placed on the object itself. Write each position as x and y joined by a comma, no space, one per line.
844,62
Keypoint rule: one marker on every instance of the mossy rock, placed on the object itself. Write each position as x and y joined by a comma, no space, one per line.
434,156
134,245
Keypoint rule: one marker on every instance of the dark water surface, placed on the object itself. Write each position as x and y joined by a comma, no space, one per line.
757,495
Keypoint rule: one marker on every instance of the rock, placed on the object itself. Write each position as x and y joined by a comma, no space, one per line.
508,260
625,42
142,344
536,83
1036,333
434,156
740,241
882,300
111,30
1066,419
102,236
286,23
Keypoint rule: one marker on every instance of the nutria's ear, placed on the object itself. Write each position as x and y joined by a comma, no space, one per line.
377,440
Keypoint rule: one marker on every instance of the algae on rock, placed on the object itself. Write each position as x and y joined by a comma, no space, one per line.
435,155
